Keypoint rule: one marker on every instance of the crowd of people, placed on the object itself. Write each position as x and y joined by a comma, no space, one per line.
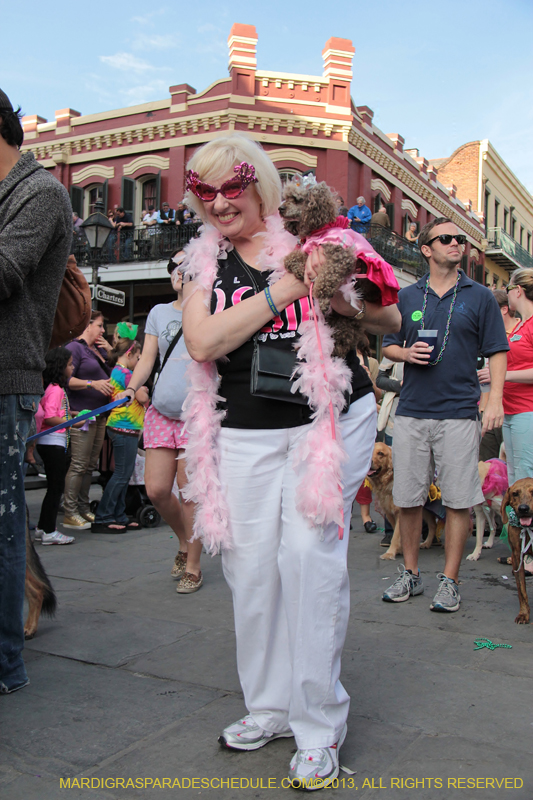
229,466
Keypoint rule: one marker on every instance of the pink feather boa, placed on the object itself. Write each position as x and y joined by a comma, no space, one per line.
320,456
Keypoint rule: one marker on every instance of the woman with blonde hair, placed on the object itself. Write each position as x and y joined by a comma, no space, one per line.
518,387
253,460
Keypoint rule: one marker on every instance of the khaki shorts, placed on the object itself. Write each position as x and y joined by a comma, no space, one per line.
448,446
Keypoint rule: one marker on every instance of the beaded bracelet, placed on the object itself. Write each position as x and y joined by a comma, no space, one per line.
270,302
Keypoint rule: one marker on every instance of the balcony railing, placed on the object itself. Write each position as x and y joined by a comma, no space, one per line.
158,244
396,250
136,244
505,251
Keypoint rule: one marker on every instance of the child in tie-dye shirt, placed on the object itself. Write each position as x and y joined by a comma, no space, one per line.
124,426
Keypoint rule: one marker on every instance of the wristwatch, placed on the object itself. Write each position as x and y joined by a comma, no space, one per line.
361,313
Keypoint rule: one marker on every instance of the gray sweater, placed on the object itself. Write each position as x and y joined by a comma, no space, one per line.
35,238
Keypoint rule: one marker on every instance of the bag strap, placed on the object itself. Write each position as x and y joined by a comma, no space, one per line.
171,347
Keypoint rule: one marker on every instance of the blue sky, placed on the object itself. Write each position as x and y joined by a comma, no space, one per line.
440,74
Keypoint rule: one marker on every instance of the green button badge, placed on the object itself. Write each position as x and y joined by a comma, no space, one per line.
416,315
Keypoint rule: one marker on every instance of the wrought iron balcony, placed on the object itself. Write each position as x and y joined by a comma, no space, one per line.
505,251
396,250
157,243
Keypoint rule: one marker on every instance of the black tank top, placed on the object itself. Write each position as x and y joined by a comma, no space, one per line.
244,410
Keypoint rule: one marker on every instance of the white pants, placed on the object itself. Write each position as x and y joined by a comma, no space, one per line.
289,581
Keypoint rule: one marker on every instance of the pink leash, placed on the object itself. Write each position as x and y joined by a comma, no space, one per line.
331,413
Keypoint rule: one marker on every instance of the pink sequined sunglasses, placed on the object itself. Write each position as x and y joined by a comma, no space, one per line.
230,189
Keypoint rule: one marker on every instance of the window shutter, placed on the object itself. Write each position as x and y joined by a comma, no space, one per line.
158,191
76,200
390,214
128,195
104,197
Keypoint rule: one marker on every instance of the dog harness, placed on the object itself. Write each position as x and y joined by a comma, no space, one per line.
378,272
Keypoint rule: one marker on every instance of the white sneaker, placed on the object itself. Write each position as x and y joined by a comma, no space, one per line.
245,734
316,768
56,538
38,534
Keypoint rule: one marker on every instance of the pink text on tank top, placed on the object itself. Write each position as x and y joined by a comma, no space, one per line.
277,323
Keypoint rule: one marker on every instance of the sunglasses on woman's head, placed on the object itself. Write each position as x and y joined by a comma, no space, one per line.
230,189
447,238
511,287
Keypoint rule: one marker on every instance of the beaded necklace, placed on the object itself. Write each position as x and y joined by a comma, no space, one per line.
450,312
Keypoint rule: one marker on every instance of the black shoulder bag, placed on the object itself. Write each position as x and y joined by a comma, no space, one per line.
272,366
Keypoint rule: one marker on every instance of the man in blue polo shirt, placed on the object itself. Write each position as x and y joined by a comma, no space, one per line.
437,420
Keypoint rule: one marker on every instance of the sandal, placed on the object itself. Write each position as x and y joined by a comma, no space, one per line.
110,527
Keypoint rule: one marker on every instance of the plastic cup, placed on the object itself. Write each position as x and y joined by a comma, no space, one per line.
429,337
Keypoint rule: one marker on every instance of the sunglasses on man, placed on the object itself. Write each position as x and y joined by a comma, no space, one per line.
230,189
447,238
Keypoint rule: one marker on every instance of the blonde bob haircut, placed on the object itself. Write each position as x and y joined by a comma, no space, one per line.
216,158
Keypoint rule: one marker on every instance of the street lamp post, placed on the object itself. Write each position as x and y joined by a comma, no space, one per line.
97,228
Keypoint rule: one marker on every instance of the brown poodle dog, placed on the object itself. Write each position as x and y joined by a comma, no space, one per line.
305,210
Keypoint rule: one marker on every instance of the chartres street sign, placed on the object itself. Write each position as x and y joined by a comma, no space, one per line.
108,295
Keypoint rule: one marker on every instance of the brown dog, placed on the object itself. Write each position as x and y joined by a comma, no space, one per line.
381,477
520,497
38,589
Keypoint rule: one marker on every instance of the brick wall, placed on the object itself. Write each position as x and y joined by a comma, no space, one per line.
462,169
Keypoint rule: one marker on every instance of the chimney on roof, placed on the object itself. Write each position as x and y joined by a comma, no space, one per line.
242,42
63,119
29,124
242,65
338,56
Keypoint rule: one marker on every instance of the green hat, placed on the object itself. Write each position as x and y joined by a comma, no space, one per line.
126,330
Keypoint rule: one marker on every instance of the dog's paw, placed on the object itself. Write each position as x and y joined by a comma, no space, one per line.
29,634
425,545
487,545
473,556
522,619
388,556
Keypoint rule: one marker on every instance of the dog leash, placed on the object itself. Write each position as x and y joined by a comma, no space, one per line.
331,412
88,414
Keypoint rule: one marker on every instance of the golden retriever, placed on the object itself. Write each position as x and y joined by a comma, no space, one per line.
381,478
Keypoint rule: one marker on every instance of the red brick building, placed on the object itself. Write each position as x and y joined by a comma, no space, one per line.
136,156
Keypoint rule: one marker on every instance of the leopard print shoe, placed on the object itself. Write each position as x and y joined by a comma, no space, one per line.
179,566
189,583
